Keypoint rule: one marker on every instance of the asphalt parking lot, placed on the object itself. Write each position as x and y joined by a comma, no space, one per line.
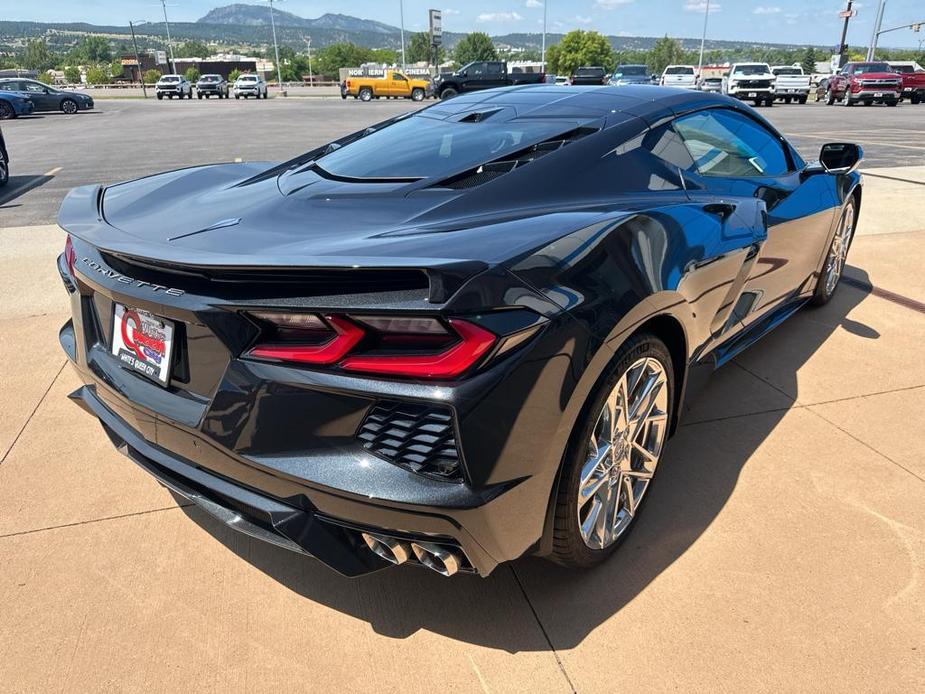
783,548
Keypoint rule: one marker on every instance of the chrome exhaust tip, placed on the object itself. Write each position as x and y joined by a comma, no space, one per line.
436,557
392,550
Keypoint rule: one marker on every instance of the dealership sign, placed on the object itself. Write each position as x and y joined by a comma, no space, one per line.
436,27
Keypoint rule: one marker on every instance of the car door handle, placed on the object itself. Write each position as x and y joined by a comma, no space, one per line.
723,209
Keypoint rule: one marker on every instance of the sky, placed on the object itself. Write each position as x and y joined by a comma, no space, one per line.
777,21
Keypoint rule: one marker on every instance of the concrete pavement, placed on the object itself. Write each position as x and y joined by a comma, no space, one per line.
783,548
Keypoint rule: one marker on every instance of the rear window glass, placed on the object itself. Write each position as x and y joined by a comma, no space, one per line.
589,71
633,70
679,70
422,147
751,69
905,69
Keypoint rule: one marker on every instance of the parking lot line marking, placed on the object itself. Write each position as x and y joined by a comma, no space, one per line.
898,299
237,160
53,171
893,178
16,191
865,142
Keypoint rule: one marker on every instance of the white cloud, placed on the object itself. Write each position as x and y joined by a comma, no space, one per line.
611,4
582,20
533,3
499,17
770,9
701,6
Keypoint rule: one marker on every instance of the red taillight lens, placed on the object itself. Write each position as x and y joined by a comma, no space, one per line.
346,335
416,347
70,255
448,363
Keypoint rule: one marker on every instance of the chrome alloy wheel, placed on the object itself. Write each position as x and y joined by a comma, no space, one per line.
623,450
838,253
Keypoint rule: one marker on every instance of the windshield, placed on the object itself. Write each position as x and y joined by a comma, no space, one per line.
679,70
751,70
632,71
867,68
788,71
431,148
169,78
210,78
247,78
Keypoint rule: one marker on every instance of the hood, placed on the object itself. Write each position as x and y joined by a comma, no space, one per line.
248,215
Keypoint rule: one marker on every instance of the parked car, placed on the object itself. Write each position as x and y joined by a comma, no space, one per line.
212,85
13,104
588,76
913,77
449,353
393,84
630,74
684,76
250,85
711,84
47,98
561,81
866,83
750,82
482,75
4,162
173,86
791,84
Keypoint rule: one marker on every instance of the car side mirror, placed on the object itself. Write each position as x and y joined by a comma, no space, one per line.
840,157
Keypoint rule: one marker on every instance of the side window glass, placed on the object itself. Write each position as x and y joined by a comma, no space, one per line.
725,143
477,69
34,88
398,77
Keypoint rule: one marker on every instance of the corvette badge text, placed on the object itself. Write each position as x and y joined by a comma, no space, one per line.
124,279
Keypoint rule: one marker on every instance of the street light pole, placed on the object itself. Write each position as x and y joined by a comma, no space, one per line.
141,77
173,61
878,22
311,78
279,73
703,39
543,53
401,10
844,34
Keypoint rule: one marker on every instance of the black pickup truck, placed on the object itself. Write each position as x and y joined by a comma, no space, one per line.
482,75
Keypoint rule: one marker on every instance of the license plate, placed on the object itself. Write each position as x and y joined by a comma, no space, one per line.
753,94
876,94
143,342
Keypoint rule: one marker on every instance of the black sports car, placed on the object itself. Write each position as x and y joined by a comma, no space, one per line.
453,337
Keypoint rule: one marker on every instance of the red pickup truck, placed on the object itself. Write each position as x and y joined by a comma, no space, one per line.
865,83
913,81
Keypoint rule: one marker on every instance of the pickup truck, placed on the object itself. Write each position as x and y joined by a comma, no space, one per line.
684,76
750,82
913,77
791,83
482,75
865,83
393,84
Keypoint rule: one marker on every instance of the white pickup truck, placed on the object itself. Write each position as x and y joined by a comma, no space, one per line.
750,82
791,83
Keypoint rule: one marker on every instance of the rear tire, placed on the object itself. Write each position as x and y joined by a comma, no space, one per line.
834,264
803,99
829,97
892,102
915,99
448,93
606,476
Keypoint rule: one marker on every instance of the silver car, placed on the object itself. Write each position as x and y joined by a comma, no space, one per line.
250,85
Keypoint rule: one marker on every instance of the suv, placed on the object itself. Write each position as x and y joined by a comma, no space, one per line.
173,85
250,85
588,76
630,74
212,85
679,76
867,83
750,82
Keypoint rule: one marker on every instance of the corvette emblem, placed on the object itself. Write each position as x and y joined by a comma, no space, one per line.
125,279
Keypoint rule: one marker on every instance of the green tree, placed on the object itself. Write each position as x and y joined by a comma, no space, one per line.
809,61
388,56
474,46
151,76
194,49
45,78
192,74
665,52
36,56
419,49
330,59
552,59
98,75
233,75
91,50
116,69
72,75
583,48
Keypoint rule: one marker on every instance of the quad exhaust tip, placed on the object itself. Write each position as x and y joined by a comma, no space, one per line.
390,549
436,557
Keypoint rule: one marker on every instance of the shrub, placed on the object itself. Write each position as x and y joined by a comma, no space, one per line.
233,75
151,76
192,74
72,75
98,75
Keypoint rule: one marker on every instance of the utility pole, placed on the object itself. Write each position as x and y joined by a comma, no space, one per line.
141,77
401,10
279,73
872,47
543,53
173,62
311,79
703,39
847,13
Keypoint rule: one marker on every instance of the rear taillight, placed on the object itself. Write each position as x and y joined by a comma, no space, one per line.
70,255
406,346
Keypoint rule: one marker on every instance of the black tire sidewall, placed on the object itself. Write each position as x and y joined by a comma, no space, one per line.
568,547
820,296
7,112
64,106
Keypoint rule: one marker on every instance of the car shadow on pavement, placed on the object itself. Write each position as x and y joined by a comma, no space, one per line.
20,185
698,475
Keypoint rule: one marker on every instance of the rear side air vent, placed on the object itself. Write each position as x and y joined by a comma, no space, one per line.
498,167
